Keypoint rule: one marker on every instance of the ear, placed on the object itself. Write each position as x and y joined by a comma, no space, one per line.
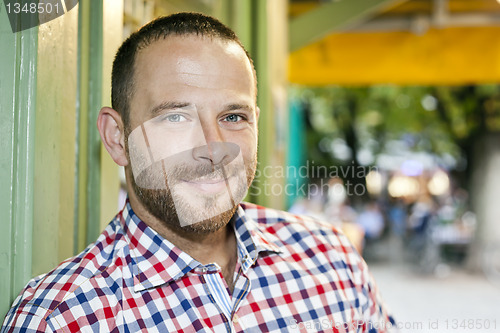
110,125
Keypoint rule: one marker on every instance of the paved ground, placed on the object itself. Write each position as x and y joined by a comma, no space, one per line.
454,301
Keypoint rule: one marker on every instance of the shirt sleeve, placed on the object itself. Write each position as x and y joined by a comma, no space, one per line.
377,317
374,314
26,316
25,321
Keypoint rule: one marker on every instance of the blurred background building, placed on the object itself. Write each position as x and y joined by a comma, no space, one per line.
381,117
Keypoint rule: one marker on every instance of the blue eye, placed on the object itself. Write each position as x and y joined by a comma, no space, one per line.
175,118
233,118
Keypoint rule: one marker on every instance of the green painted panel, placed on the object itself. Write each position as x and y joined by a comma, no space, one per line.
55,137
17,119
80,223
90,51
7,115
266,120
112,39
269,22
242,22
95,53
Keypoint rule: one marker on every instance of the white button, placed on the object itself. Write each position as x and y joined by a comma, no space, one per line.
236,319
204,270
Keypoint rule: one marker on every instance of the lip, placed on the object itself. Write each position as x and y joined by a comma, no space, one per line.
207,185
205,181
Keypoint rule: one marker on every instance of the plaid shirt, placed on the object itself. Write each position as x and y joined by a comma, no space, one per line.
294,274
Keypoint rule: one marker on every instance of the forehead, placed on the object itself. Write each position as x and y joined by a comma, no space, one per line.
195,61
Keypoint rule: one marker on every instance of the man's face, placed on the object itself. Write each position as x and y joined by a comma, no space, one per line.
192,140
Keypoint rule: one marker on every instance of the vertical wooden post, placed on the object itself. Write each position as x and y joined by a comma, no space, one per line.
269,51
55,131
90,27
18,59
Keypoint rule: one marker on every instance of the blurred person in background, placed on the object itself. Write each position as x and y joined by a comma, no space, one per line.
339,213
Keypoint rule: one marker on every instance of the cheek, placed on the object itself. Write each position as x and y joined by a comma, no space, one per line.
168,142
249,151
246,140
246,137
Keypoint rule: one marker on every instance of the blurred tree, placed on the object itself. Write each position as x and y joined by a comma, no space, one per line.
350,127
459,126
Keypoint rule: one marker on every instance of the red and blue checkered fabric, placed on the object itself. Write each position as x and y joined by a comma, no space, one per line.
293,274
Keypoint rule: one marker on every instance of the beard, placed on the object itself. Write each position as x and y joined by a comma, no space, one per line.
184,210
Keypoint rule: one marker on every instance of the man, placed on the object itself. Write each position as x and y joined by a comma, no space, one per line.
184,254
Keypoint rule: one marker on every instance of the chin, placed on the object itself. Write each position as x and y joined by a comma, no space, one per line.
182,217
204,227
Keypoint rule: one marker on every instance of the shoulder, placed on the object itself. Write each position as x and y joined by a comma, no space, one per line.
46,293
273,219
309,247
319,252
298,231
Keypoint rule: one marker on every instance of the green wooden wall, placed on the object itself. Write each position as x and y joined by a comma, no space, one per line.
55,131
18,64
52,86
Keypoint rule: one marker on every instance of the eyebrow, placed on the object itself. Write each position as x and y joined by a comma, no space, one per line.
170,105
243,107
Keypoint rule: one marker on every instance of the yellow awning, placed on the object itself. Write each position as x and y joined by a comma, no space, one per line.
441,56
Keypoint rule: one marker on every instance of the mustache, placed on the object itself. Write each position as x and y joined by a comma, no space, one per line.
199,172
166,173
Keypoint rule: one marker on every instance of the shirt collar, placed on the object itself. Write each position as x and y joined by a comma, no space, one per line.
156,261
251,239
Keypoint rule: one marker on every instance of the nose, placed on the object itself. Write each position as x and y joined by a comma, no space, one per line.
216,152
